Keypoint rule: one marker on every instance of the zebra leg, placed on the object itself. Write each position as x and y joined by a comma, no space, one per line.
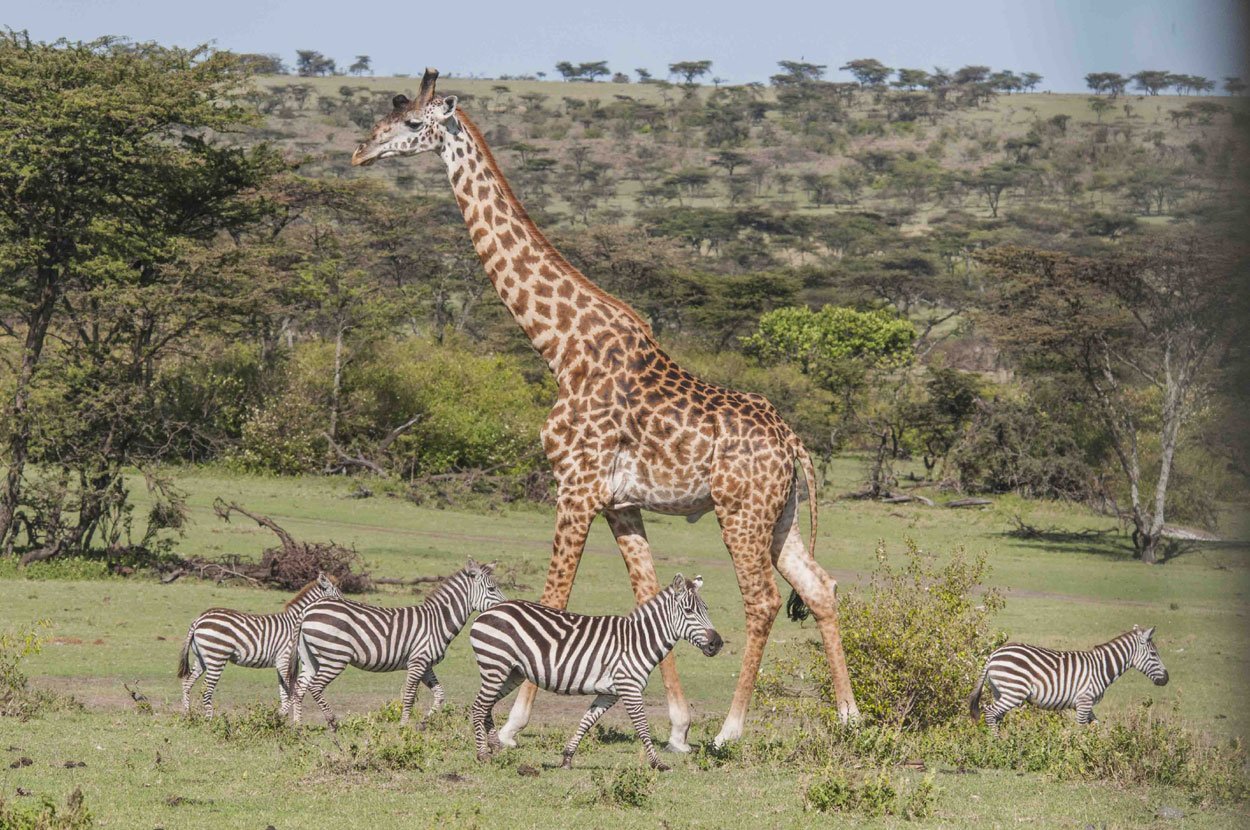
320,680
601,704
189,681
631,538
638,716
436,688
282,663
212,674
575,510
1085,712
417,668
480,713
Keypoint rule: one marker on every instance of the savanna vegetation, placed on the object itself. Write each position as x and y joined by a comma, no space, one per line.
956,289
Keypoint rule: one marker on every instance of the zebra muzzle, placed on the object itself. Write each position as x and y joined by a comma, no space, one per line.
1162,680
712,644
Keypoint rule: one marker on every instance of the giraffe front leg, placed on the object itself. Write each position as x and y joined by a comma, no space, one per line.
632,698
748,540
574,513
601,704
631,538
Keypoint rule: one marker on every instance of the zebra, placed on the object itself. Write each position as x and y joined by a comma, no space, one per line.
1063,679
609,656
335,633
257,641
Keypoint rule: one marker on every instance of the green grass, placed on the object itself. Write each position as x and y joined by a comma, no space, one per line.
115,631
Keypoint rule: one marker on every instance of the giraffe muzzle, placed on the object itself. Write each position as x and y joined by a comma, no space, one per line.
360,158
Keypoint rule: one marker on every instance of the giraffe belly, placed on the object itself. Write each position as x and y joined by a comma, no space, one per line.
629,485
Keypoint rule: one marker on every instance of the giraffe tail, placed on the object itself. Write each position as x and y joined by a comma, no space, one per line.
796,608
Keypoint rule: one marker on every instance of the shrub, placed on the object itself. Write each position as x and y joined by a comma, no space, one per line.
916,639
46,815
626,787
258,723
17,699
877,794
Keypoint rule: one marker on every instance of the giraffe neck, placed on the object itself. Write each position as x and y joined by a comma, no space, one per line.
558,308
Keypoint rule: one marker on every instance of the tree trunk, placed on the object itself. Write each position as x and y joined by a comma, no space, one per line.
19,440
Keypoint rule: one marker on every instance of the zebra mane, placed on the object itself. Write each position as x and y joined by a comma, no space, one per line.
667,591
303,592
445,589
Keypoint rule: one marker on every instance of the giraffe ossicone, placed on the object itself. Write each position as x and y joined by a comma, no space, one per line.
630,429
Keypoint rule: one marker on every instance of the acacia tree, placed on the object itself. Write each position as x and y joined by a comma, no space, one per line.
113,197
690,69
1140,332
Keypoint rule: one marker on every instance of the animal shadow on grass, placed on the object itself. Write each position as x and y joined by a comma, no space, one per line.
1107,542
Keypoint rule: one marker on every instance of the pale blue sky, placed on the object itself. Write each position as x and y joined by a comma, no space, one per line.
1061,39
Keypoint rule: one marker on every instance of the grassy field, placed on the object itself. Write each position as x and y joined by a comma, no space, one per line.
150,770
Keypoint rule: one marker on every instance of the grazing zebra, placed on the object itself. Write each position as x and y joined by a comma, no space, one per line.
1063,679
565,653
335,633
257,641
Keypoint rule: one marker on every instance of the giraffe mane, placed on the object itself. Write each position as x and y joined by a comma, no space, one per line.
540,239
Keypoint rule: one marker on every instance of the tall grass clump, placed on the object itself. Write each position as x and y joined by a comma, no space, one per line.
46,815
17,699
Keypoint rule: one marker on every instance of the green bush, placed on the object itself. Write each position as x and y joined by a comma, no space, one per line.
17,699
46,815
626,787
258,723
915,640
877,794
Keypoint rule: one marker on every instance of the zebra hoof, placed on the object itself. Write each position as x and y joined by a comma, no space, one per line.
660,766
483,757
567,763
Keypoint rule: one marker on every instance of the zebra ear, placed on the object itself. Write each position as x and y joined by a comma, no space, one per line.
490,567
697,582
1150,633
679,583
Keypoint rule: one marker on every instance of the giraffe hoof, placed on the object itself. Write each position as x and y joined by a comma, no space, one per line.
674,745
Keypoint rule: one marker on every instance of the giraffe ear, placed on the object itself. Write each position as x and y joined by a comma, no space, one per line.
399,102
450,122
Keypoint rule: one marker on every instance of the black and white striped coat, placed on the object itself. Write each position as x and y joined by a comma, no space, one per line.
610,657
337,633
256,641
1063,679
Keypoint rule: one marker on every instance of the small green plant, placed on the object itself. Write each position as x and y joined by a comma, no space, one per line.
626,787
832,792
918,801
710,756
258,723
378,748
46,815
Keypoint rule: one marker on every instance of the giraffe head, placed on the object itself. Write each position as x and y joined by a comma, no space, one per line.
412,127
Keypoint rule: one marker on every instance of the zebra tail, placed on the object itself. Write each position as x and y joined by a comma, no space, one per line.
796,608
292,664
974,702
184,660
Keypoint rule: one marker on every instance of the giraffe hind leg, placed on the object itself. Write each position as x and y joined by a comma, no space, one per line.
631,538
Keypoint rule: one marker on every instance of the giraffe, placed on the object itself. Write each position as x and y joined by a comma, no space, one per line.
630,429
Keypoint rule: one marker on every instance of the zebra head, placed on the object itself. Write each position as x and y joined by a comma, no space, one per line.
484,593
326,588
689,618
1146,656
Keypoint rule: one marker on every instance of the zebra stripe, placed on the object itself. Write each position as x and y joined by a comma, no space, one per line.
1063,679
334,634
610,657
255,641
